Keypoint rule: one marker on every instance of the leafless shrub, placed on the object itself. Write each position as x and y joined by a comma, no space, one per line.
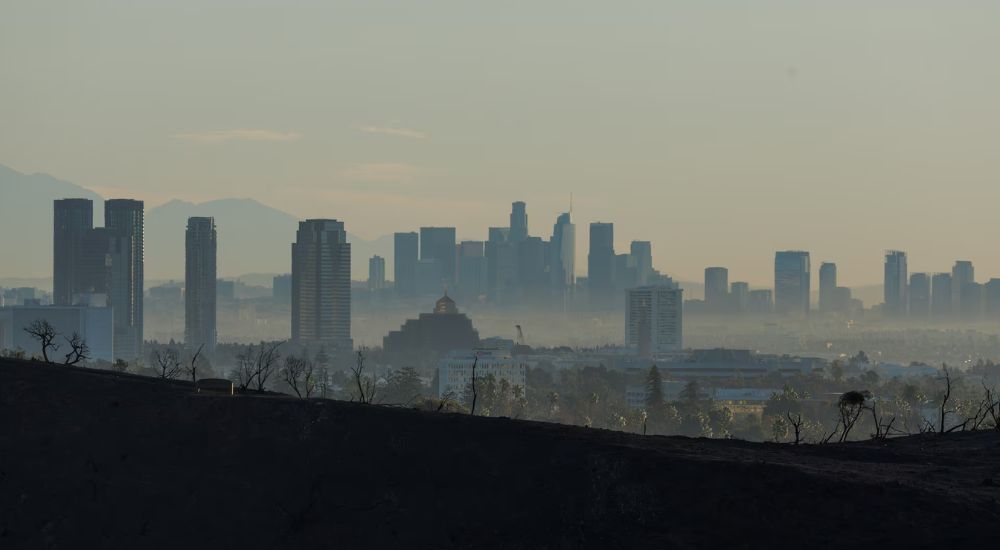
166,363
46,334
796,423
79,351
192,369
367,386
256,365
298,374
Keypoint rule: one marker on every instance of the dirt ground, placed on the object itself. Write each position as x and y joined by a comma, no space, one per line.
91,459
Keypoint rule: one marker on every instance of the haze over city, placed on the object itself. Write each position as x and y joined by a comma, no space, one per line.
535,275
719,132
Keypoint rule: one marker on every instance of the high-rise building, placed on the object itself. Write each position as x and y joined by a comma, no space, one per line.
654,319
991,299
518,222
376,273
563,255
716,289
472,270
961,273
406,252
971,305
739,296
601,264
827,286
791,282
73,219
894,285
532,278
124,220
641,255
920,295
321,285
437,244
760,302
941,296
281,288
501,265
200,246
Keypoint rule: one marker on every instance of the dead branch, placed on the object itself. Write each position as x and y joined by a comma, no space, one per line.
46,334
79,351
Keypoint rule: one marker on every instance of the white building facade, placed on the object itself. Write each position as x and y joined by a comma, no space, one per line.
455,369
654,319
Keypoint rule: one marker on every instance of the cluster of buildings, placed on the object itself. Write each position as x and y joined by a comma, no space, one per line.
938,296
512,267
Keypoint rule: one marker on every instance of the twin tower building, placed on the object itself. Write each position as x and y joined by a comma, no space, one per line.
103,267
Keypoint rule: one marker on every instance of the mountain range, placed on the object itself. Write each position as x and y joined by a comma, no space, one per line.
253,237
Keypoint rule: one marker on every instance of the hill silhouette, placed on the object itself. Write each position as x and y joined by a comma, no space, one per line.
96,459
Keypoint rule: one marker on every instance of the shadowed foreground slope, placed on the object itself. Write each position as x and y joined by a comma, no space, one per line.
93,459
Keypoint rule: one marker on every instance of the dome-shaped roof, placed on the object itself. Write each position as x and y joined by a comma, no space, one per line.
445,305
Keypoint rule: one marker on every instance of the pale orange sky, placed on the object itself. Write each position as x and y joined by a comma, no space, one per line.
721,131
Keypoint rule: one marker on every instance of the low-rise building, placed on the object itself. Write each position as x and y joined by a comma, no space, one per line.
455,369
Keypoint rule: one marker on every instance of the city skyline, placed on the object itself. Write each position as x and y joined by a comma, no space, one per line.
685,120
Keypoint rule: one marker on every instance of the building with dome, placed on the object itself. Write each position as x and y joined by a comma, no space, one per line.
442,330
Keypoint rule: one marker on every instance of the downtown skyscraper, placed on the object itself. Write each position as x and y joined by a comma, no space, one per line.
321,285
406,254
791,282
200,257
895,281
73,219
124,219
601,265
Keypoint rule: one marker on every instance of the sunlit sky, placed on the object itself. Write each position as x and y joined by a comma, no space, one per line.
721,131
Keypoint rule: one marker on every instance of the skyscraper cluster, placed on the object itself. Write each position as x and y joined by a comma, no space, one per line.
514,267
941,296
102,266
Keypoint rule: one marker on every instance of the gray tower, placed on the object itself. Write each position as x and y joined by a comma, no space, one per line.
200,248
321,285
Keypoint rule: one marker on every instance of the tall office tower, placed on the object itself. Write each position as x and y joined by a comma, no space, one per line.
716,289
437,244
518,222
376,273
472,270
941,296
563,264
791,282
827,286
641,255
73,219
654,319
531,275
739,296
601,265
894,285
281,288
200,246
991,299
321,285
625,276
501,263
760,301
961,274
971,305
124,220
406,251
920,295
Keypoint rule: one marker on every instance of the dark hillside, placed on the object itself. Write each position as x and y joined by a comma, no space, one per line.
90,459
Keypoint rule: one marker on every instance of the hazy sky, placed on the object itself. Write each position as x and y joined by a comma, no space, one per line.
721,131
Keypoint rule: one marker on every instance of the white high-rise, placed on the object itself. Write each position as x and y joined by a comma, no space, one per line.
654,319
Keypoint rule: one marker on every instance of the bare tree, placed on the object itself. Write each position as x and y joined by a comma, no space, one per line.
79,351
298,374
193,366
254,368
366,385
46,334
796,423
882,426
166,363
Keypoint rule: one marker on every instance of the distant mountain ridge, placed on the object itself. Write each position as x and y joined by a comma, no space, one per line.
253,237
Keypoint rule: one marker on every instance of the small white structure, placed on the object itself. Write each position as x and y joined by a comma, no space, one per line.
455,369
